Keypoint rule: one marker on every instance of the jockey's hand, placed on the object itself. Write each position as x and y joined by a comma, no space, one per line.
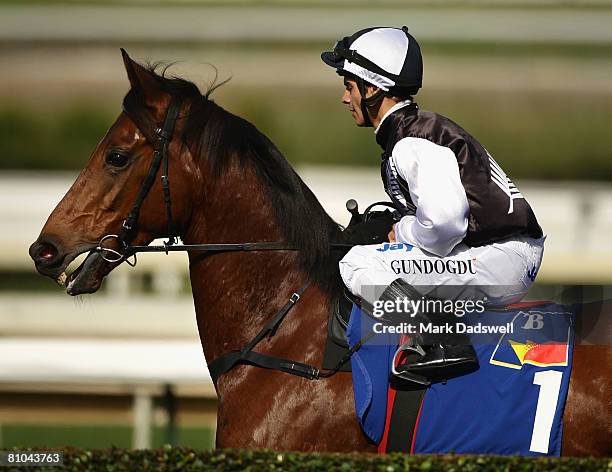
391,235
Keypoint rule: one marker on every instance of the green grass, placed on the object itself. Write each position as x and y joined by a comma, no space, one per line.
20,281
54,436
548,136
526,49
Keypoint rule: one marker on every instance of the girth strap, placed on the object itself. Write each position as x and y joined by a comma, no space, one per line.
229,360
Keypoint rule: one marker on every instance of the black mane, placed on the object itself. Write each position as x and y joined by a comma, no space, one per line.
221,138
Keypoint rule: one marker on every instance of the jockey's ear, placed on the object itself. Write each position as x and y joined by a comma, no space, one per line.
371,89
142,80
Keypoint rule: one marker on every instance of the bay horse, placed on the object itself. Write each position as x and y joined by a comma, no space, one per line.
230,184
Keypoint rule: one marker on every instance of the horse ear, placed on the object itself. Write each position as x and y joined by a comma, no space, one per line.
141,79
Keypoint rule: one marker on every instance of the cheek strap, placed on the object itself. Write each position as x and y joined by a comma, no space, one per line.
370,102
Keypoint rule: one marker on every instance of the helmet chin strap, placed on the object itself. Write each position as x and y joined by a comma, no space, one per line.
368,102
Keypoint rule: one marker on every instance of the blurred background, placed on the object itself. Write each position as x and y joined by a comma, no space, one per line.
532,80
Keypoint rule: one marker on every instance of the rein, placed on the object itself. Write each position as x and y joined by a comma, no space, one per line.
246,355
127,233
170,246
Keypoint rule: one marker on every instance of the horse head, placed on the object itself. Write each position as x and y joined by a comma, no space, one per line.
104,193
228,183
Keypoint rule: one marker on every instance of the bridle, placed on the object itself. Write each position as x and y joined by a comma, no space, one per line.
160,156
127,233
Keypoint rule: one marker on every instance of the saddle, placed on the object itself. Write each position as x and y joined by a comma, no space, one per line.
369,227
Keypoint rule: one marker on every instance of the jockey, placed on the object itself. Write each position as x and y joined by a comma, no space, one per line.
463,221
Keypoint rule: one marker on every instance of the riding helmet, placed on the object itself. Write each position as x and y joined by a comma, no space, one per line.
388,58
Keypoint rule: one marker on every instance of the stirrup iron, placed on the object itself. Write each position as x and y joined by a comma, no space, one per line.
404,375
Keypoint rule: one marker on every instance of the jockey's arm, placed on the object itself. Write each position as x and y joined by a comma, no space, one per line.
432,174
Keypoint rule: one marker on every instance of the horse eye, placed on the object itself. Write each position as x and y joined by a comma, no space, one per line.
117,159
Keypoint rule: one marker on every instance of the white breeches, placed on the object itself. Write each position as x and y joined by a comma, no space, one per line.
505,269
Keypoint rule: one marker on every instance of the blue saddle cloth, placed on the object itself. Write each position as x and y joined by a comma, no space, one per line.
370,366
512,405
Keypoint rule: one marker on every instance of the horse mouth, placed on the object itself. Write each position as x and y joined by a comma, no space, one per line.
87,277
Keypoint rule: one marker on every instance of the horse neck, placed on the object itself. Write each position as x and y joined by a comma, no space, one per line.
236,293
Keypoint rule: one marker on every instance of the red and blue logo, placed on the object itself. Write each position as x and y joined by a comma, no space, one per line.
538,338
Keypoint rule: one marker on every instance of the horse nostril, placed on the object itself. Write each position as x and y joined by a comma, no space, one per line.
43,252
47,252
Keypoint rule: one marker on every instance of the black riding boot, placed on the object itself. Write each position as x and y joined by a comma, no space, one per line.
427,360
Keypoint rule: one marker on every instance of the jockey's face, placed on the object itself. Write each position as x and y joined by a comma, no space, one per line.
352,98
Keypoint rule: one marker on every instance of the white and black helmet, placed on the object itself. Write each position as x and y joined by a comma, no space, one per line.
388,58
